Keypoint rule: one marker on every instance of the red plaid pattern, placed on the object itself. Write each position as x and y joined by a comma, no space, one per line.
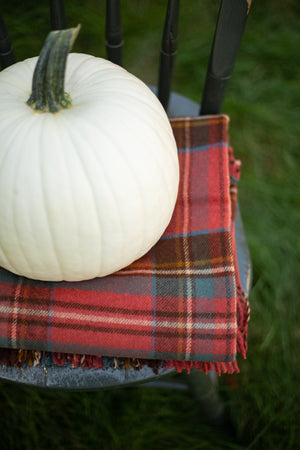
180,303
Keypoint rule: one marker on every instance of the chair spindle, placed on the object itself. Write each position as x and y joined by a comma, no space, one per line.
168,52
114,32
228,34
57,15
6,51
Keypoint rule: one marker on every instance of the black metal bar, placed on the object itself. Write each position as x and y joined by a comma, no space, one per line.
6,51
229,31
168,52
114,32
57,15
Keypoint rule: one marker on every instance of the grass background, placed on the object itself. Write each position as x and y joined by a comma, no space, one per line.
263,103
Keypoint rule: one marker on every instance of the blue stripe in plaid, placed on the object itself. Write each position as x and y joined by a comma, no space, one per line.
116,284
195,233
153,319
199,357
203,147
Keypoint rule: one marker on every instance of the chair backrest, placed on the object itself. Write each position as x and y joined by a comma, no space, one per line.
229,30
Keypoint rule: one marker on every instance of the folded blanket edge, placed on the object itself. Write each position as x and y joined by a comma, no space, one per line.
20,358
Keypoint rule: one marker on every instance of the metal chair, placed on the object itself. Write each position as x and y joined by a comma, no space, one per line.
229,29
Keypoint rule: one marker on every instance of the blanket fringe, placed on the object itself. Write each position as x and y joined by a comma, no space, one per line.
204,366
13,357
19,358
243,316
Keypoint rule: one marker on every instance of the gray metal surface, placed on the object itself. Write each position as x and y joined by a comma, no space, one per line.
67,378
179,105
243,254
47,375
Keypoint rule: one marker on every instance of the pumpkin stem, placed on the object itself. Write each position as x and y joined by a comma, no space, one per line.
48,80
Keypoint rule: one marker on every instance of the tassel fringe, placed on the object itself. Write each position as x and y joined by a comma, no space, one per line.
243,316
19,358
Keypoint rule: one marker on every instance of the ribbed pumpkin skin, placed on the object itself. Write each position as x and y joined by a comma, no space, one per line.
85,191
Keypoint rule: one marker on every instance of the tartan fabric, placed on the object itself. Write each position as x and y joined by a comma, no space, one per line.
181,303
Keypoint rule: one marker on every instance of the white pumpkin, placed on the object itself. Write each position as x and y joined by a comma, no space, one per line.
89,189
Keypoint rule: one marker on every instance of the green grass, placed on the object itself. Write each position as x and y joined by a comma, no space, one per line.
263,103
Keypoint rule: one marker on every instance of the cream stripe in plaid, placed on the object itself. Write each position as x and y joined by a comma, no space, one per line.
189,293
117,320
15,312
178,272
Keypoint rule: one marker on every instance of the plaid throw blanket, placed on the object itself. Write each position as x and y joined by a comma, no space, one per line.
181,305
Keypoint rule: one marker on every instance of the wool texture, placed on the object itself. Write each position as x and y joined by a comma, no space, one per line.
179,306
